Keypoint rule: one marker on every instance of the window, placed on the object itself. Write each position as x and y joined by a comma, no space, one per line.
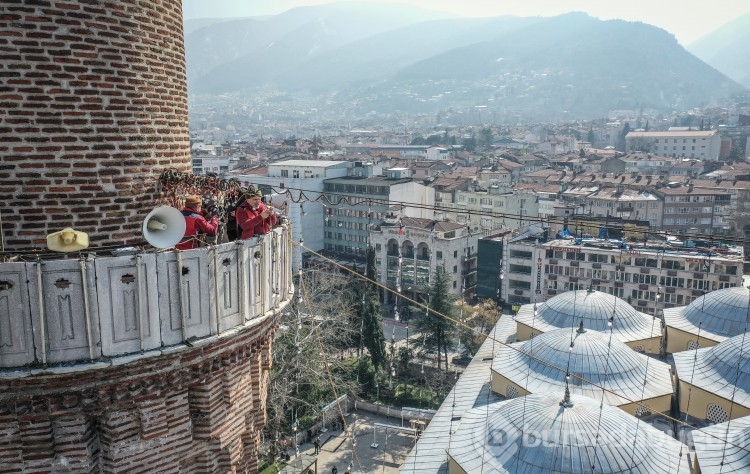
377,247
596,257
455,254
646,262
284,173
439,254
673,265
295,173
455,268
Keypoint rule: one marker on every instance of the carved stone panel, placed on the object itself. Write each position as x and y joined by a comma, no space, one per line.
128,304
192,275
65,315
226,277
16,334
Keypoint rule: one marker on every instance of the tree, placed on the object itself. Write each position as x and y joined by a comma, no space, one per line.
469,143
437,325
309,369
486,136
621,141
372,317
478,320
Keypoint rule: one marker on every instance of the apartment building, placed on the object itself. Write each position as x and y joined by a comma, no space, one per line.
360,202
690,209
650,277
485,209
624,203
702,145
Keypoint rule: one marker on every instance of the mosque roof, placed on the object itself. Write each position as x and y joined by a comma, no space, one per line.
595,309
543,433
716,456
723,369
717,315
541,364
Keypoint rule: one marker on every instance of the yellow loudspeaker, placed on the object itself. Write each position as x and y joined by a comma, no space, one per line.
67,240
164,227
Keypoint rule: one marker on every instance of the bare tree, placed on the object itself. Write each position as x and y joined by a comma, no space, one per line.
309,363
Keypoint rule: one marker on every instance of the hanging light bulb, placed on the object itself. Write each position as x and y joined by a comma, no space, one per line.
302,209
536,311
611,320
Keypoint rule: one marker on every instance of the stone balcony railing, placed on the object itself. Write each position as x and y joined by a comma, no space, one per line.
95,308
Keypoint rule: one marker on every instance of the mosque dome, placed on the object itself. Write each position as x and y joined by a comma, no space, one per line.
715,456
595,309
723,369
724,313
543,433
541,363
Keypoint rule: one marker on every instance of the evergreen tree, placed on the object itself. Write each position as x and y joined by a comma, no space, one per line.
439,331
372,317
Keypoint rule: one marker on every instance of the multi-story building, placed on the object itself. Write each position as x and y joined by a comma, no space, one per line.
357,203
648,277
523,279
534,269
703,145
409,250
626,204
690,209
488,209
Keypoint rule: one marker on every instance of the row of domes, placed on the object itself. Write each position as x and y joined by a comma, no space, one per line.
582,334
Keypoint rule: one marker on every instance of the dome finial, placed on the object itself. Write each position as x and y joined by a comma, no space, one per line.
566,402
580,329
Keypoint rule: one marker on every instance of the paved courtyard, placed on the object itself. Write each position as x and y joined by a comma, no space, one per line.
393,446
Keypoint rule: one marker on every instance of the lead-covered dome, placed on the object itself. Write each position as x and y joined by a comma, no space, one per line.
541,364
723,370
595,309
720,314
541,433
716,455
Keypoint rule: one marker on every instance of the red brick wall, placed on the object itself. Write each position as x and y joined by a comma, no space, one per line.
93,105
189,412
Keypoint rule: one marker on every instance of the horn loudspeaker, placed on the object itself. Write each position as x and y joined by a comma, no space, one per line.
164,227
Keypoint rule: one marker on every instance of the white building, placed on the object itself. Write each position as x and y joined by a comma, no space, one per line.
409,250
476,207
436,153
703,145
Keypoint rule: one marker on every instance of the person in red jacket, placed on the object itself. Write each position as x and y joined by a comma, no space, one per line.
253,217
195,223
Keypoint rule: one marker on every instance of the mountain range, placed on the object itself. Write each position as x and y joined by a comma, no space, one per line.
727,49
391,58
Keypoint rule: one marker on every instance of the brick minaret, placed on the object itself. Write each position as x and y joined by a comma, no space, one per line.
93,105
152,362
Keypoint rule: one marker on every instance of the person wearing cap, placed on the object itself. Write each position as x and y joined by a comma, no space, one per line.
253,217
195,223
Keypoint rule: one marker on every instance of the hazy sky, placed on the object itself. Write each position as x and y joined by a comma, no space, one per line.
688,20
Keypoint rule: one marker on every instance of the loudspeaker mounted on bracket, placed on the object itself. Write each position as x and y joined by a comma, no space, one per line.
164,227
67,240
